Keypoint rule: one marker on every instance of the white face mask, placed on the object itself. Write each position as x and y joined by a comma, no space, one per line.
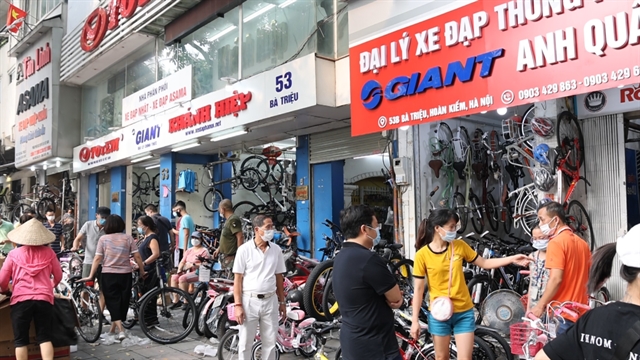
546,229
195,242
268,235
51,218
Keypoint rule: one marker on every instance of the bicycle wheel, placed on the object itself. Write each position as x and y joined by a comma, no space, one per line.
476,213
338,354
169,329
87,302
528,212
312,295
256,352
570,139
200,299
255,162
18,211
243,208
403,271
602,295
329,302
525,129
43,205
579,221
458,206
277,172
155,184
507,217
212,199
145,183
444,134
132,313
249,178
491,212
499,346
482,350
135,181
228,345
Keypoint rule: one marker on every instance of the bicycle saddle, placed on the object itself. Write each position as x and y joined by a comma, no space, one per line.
74,278
394,246
459,166
436,165
289,233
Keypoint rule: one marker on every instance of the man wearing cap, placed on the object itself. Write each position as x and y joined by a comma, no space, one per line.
30,269
5,228
188,266
568,260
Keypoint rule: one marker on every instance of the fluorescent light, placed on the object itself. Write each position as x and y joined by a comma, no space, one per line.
369,156
286,3
405,127
258,13
223,33
152,167
58,163
33,168
142,158
229,135
44,167
501,111
483,112
187,146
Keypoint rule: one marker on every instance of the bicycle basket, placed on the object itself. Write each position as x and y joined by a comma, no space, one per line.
231,312
520,334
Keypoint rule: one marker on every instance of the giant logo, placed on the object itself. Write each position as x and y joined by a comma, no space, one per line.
148,134
372,92
90,153
100,20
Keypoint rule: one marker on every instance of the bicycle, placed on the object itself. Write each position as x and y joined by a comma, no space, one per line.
161,332
247,178
442,150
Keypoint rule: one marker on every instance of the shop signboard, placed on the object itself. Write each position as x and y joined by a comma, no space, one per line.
106,19
491,54
34,110
160,96
283,90
611,101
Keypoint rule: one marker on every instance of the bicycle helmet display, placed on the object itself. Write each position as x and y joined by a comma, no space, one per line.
295,296
543,179
540,153
542,127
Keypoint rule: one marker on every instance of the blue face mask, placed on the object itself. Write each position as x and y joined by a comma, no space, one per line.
102,221
376,240
449,236
140,231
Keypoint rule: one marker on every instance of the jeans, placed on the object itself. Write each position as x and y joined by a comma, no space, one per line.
563,327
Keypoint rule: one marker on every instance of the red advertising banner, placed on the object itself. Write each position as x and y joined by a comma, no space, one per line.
492,54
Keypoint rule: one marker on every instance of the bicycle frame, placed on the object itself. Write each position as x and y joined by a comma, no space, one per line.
573,174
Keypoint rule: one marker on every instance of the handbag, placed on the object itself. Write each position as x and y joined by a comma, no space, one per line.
442,307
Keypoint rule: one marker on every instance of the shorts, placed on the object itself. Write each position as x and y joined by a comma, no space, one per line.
460,323
22,313
86,271
189,278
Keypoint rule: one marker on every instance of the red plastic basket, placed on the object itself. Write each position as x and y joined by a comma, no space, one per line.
520,335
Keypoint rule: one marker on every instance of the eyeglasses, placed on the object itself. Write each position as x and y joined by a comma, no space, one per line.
379,227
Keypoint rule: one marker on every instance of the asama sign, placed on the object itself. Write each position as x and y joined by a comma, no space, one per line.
101,19
491,54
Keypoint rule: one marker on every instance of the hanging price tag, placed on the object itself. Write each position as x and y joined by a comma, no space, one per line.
204,274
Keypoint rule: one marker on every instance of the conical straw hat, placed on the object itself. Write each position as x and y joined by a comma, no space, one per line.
31,233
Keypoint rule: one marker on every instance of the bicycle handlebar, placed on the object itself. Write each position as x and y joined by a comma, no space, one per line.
433,192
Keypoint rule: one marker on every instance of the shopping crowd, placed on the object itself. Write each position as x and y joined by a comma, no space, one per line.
562,269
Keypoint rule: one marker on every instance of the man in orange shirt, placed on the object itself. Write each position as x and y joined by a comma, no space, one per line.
568,261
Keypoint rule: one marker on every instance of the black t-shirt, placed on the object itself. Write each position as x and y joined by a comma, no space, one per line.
145,251
360,280
595,334
163,226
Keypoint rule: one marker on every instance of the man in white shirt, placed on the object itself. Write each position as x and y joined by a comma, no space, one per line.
258,289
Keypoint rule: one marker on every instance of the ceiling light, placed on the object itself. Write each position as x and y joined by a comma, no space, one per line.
286,3
483,112
33,168
223,32
501,111
142,158
229,135
58,163
152,167
405,127
44,167
258,13
368,156
187,146
620,86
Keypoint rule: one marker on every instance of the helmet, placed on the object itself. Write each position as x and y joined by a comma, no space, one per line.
542,127
295,296
540,154
543,180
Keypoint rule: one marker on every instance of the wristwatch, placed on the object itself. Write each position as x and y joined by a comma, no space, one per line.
282,303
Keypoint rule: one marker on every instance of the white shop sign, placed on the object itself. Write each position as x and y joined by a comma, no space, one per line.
158,97
288,88
610,101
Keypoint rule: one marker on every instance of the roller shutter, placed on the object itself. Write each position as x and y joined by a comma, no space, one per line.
339,145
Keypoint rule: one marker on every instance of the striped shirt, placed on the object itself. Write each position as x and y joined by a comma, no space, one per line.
56,229
116,249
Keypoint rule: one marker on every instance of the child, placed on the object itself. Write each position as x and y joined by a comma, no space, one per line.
30,268
539,276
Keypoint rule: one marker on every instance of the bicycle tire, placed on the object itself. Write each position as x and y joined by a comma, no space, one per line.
578,225
164,312
476,214
155,184
338,354
135,181
43,205
94,303
243,208
508,218
481,350
499,346
525,129
603,295
145,183
199,298
403,271
491,212
561,137
312,295
249,178
461,209
232,336
276,170
444,129
257,349
129,323
254,161
329,304
18,211
212,199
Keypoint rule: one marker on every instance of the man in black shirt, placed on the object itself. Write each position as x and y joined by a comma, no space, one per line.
163,226
365,289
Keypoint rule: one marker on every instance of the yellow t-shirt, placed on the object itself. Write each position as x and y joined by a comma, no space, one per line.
435,266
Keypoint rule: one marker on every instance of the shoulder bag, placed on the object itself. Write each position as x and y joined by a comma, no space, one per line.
442,307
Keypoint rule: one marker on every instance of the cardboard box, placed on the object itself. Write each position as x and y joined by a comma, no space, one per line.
8,351
6,328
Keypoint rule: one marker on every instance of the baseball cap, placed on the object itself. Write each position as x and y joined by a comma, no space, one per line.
196,234
628,247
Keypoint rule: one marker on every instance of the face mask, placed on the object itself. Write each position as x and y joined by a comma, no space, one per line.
540,244
268,235
376,240
546,230
140,230
175,214
449,236
102,221
51,218
195,242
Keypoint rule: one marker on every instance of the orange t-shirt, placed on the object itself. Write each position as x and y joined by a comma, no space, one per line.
570,253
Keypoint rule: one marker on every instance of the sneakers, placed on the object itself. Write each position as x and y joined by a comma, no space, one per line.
121,336
175,305
185,306
167,300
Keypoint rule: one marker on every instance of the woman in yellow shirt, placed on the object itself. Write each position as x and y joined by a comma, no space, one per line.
436,234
